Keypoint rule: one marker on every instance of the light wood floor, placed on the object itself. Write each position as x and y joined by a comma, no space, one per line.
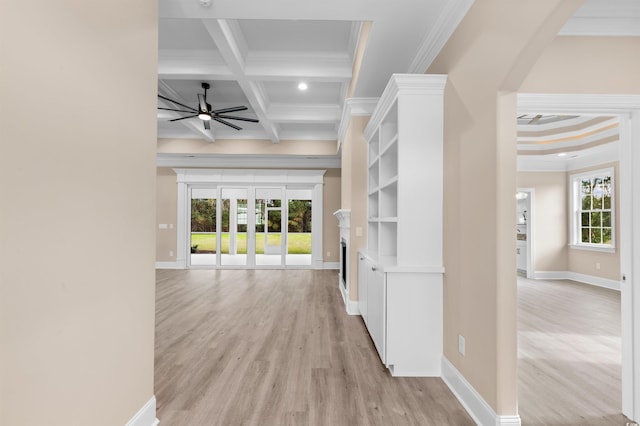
276,348
569,352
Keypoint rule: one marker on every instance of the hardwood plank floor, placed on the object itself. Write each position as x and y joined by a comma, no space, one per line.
274,347
569,354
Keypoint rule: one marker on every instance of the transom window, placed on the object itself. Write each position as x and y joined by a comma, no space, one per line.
593,210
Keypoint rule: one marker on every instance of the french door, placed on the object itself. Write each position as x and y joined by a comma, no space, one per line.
269,227
233,233
251,226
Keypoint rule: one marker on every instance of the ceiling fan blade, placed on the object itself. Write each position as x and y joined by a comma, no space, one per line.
233,117
177,110
522,116
178,103
232,109
203,103
183,118
219,120
207,124
535,119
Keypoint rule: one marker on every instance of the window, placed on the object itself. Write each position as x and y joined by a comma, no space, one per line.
593,215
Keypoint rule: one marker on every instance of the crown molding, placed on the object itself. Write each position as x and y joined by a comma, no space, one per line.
589,158
450,17
404,84
556,103
354,107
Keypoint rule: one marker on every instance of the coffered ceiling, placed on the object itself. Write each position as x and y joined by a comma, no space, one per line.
256,53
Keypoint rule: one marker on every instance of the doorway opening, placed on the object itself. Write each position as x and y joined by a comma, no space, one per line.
626,110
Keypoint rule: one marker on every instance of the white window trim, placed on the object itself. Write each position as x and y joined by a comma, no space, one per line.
574,209
288,179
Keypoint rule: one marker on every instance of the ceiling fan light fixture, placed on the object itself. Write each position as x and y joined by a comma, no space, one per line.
204,116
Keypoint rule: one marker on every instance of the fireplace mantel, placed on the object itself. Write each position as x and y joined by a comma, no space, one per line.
344,217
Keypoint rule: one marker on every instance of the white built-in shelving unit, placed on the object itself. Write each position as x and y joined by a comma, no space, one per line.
400,272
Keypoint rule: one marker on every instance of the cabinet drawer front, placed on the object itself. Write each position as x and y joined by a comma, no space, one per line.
377,310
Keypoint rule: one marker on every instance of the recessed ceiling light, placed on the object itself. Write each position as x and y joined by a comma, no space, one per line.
562,154
302,86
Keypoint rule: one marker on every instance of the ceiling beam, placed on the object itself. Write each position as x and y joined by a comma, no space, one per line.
228,38
193,125
204,64
286,113
175,64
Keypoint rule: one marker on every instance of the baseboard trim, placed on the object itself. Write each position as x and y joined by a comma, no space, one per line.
146,416
476,406
582,278
168,265
332,265
350,306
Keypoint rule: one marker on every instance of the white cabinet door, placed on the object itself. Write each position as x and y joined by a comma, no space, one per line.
362,287
377,309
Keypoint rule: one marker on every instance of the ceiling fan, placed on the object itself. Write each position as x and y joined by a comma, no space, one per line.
206,114
533,120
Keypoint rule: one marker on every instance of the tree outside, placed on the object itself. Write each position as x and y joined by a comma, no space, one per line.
203,226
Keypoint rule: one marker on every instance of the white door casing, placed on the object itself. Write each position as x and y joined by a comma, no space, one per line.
627,109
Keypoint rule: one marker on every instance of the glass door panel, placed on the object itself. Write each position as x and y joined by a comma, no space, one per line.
269,241
299,233
233,233
203,227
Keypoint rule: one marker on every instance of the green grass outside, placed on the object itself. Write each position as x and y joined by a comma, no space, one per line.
299,243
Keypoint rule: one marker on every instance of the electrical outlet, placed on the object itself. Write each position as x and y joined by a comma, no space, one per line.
598,266
328,254
170,253
461,344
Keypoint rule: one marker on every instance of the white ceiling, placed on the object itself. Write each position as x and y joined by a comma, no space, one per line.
254,53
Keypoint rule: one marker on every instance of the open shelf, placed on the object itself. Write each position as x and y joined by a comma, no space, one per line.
388,239
373,204
389,200
372,236
389,163
374,147
374,175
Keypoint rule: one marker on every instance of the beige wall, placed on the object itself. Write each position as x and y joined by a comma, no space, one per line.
243,147
77,183
331,201
551,239
550,221
609,65
583,261
167,207
486,59
354,190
